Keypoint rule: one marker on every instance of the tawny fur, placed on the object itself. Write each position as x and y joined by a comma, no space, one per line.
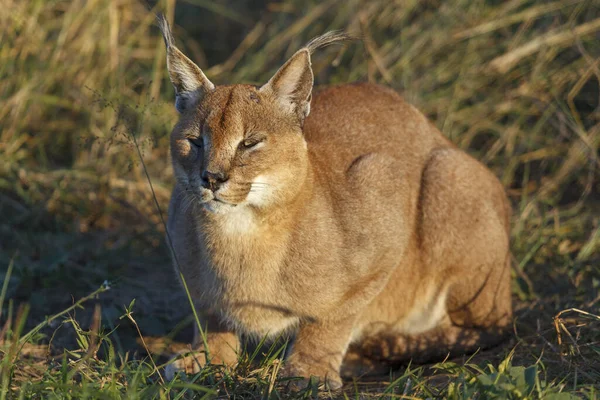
360,228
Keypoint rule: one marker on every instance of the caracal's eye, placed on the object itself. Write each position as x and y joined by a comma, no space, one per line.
251,142
196,142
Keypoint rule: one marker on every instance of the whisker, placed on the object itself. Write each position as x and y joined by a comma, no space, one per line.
193,203
187,201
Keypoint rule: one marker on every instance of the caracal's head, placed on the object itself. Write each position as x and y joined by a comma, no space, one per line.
241,145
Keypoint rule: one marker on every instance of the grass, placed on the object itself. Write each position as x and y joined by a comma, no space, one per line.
83,87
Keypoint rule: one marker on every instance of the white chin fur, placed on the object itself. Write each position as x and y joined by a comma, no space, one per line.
232,219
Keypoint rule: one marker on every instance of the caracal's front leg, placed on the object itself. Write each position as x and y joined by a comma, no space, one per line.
318,351
223,348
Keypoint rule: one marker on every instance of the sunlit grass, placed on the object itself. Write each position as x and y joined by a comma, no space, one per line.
83,88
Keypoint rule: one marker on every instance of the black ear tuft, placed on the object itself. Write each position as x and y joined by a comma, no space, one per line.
187,78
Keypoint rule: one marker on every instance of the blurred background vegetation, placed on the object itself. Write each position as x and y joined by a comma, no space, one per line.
515,83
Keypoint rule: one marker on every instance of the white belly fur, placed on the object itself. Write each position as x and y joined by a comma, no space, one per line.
427,315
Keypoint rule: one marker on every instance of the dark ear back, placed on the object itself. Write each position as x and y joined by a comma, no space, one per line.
292,84
187,78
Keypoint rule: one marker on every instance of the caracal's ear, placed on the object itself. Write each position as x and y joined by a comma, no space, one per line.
188,79
292,84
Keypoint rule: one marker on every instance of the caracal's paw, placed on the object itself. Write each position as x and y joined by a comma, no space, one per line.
329,379
186,362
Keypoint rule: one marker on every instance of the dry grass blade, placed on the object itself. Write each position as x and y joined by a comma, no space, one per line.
559,325
276,44
372,50
139,332
250,39
557,40
527,14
